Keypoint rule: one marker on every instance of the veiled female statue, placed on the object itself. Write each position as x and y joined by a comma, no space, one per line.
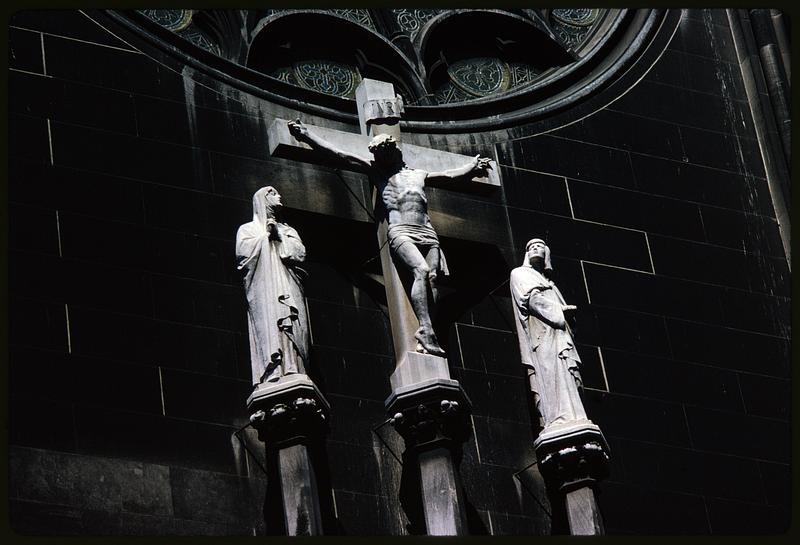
270,253
546,345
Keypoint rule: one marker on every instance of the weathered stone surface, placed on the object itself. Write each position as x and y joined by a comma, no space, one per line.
416,368
583,513
301,510
91,482
441,494
209,497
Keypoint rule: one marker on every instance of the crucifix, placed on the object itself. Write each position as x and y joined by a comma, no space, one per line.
427,407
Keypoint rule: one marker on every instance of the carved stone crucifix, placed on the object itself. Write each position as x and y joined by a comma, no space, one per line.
399,173
427,407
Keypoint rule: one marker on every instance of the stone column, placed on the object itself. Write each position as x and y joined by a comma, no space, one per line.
431,412
291,417
572,459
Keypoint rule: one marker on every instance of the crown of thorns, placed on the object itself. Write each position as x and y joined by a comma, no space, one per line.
381,142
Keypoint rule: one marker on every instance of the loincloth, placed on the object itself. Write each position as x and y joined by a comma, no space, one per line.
421,236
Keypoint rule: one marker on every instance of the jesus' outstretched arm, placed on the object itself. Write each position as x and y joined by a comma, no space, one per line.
477,164
301,133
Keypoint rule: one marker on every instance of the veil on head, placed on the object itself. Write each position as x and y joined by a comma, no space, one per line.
548,265
263,206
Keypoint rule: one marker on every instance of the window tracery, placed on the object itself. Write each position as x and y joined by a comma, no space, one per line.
573,25
469,78
329,77
411,20
179,21
171,19
360,16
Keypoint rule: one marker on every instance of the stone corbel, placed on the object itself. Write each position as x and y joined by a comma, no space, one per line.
290,411
428,424
573,458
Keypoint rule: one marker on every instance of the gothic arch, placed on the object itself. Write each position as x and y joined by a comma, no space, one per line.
619,48
503,51
297,48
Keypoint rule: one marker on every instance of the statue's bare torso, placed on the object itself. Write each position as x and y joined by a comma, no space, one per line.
402,192
403,195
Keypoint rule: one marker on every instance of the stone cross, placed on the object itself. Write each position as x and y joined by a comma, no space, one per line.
379,112
427,407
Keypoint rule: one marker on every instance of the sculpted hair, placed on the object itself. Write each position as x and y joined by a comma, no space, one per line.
381,142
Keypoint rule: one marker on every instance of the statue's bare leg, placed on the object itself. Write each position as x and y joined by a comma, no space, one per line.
411,257
433,263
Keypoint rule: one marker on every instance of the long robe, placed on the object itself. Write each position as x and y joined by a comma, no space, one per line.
548,352
276,313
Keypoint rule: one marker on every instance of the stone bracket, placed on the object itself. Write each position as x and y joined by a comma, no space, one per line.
572,456
427,407
291,410
428,425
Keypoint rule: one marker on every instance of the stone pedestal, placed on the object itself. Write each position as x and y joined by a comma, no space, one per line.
572,459
291,415
431,412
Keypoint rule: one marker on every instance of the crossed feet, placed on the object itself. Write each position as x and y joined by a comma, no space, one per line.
427,342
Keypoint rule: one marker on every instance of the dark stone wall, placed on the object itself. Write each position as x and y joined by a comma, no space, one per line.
129,358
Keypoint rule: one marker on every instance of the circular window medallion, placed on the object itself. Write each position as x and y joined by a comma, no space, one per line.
576,16
329,77
450,65
171,19
480,76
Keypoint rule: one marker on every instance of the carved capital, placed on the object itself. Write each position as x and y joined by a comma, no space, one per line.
290,422
429,424
575,466
289,411
573,456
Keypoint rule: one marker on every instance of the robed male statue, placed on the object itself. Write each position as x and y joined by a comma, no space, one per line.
412,240
546,345
270,253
